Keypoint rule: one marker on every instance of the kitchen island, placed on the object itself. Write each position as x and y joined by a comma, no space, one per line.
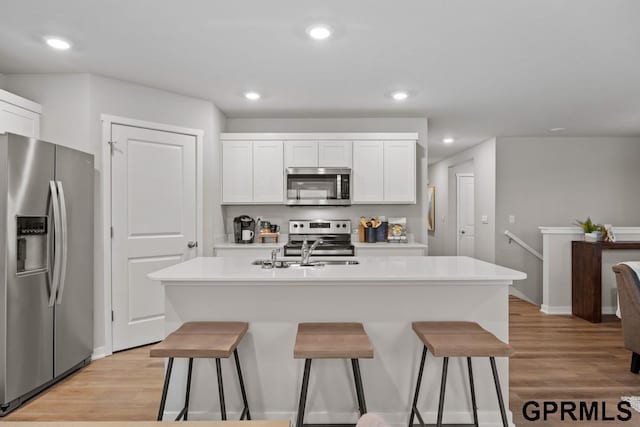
384,293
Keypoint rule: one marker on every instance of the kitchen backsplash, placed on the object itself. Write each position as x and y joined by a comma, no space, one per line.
282,214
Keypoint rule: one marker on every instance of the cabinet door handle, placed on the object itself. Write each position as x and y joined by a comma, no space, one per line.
192,244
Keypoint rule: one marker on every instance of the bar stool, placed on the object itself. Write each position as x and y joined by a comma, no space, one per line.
331,341
211,340
458,339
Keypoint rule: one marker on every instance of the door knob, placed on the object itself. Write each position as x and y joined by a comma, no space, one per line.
192,244
462,231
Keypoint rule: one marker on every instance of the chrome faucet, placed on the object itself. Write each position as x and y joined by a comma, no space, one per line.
306,250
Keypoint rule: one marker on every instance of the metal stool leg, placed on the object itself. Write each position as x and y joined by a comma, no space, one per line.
165,389
414,406
362,405
635,363
223,409
498,391
245,411
473,393
303,393
443,387
188,392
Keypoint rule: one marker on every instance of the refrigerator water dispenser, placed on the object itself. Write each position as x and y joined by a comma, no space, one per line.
32,241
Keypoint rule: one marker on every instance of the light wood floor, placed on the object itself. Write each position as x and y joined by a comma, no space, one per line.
555,358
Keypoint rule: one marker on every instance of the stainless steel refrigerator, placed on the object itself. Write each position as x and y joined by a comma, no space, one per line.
46,265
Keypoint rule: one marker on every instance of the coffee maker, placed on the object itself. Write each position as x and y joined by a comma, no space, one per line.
244,229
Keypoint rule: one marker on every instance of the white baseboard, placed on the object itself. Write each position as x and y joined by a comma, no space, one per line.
516,293
394,419
555,310
99,353
566,310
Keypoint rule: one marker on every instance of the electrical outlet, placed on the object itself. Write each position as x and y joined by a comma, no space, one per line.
485,219
512,219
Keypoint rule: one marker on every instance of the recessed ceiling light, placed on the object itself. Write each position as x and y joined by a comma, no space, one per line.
557,129
58,43
400,95
319,32
448,140
252,96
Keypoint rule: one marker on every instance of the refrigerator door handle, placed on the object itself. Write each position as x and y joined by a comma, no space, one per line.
57,250
65,241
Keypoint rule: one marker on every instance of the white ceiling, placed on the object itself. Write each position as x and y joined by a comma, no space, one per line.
476,68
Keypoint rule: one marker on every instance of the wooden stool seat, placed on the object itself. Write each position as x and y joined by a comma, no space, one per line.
202,340
332,341
460,339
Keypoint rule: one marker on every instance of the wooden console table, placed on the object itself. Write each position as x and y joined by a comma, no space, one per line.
586,277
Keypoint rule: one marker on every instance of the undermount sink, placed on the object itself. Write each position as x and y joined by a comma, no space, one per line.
266,263
340,262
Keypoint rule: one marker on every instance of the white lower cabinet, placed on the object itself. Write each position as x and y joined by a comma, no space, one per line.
252,172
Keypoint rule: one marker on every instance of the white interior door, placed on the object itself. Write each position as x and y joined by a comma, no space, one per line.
153,214
466,215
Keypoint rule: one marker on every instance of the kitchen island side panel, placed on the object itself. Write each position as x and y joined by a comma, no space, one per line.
273,377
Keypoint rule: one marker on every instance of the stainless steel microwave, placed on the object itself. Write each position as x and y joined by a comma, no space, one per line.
318,186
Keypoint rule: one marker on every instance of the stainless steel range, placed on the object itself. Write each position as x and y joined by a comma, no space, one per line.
326,237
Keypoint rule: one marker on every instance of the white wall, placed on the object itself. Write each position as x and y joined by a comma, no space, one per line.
553,182
416,214
481,160
72,105
65,106
2,81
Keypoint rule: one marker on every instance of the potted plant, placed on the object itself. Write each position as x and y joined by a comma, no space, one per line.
592,231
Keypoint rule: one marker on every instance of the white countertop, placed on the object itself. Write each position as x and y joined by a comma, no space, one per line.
272,245
371,270
233,245
387,245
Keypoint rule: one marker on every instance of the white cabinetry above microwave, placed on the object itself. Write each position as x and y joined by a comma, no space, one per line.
311,154
19,115
383,165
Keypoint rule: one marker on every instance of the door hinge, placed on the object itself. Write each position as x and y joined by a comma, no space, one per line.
112,316
112,232
112,146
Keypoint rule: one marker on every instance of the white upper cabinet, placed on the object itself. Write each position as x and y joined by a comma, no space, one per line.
301,154
268,172
383,165
400,171
336,154
252,172
237,171
19,115
367,173
384,172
